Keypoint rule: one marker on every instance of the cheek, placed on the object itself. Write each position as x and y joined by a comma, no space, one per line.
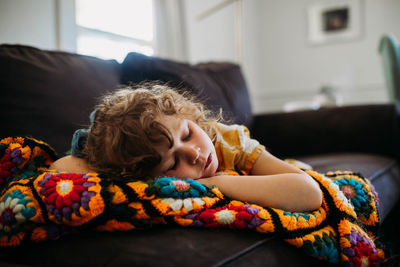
204,139
215,164
185,172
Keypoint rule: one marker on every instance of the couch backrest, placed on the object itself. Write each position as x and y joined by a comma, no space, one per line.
218,85
48,94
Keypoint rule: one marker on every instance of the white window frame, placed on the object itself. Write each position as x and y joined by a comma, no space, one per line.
169,34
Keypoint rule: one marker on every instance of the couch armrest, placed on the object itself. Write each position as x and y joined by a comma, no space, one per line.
362,128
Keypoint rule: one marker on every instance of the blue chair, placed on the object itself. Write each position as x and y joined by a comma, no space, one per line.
389,50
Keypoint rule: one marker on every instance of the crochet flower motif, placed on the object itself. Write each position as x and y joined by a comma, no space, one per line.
353,190
176,203
66,193
357,195
361,252
11,160
235,217
176,188
340,196
323,247
14,211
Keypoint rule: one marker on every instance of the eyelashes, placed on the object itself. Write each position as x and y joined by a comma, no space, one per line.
188,136
184,139
176,162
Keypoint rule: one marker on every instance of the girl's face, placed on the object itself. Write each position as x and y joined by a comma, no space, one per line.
191,153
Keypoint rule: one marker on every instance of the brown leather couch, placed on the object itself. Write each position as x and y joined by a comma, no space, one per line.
48,95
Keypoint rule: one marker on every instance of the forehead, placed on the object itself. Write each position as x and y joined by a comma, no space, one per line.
172,123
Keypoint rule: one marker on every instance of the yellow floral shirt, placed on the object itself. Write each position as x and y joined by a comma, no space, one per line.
235,149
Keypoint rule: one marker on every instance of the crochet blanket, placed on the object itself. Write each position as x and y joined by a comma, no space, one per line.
37,204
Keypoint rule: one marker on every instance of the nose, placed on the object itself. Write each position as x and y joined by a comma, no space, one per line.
192,154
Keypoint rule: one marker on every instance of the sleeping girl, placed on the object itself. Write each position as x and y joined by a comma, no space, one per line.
150,130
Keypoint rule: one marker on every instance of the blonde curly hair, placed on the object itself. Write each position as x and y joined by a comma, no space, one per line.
121,137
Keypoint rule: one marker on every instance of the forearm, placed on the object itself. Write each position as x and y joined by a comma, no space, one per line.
288,191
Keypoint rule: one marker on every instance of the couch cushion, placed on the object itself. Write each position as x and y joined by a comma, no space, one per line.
166,246
191,247
383,172
161,247
48,94
271,252
219,85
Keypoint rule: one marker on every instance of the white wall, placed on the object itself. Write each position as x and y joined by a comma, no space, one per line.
46,24
280,64
213,37
28,22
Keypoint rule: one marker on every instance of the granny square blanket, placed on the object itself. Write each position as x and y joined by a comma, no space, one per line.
37,204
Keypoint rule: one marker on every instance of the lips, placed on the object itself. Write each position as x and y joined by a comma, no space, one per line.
209,159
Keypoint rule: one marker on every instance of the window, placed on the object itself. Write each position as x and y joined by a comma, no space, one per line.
111,29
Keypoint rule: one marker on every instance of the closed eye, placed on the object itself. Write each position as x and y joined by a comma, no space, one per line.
176,162
188,136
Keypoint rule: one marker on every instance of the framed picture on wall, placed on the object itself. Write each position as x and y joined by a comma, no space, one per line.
334,21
